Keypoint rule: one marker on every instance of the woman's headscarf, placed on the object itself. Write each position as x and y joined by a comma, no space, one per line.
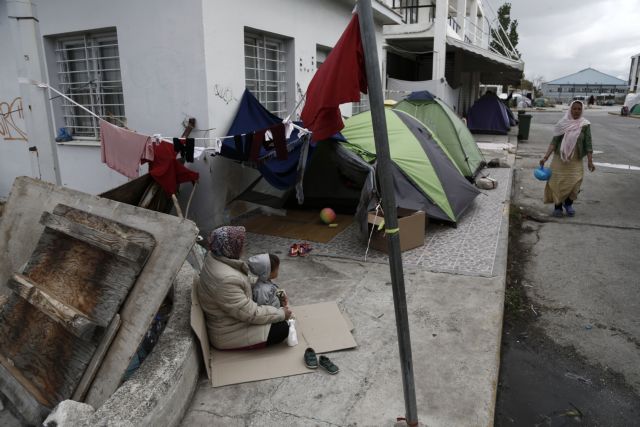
227,241
570,128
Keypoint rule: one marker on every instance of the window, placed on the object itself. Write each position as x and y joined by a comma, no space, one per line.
89,73
363,105
265,64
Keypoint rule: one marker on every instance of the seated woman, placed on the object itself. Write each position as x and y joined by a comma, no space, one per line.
234,320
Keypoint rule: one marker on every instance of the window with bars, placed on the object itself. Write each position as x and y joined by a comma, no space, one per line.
88,67
265,64
363,105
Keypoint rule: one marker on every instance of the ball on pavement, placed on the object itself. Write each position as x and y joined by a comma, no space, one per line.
327,215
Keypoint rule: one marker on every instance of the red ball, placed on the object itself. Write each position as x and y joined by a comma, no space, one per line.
327,215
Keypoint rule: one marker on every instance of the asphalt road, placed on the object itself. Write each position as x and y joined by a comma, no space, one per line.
571,341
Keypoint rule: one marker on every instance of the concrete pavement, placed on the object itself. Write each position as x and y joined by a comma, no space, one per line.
581,275
456,323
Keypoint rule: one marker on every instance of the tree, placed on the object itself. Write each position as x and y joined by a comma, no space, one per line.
500,41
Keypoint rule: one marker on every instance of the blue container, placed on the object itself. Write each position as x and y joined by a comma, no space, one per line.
541,173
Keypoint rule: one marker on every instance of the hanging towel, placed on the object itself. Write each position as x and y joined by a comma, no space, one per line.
167,170
122,150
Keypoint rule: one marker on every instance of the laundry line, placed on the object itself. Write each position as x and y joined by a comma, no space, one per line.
43,85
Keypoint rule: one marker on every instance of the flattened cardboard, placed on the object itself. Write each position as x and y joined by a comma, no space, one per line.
320,326
323,327
412,228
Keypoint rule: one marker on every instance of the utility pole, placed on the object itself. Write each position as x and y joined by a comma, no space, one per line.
30,66
385,177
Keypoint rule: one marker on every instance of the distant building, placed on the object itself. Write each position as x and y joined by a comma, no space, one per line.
634,74
583,84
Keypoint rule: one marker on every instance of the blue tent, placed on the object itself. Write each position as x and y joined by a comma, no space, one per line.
251,117
489,115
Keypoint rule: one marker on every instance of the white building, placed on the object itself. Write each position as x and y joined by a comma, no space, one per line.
634,74
153,63
584,84
444,45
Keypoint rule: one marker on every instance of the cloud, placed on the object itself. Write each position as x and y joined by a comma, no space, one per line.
561,37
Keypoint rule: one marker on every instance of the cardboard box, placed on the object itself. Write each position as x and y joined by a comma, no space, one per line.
412,229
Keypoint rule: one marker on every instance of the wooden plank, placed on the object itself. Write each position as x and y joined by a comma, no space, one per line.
74,321
42,355
93,281
89,374
174,237
110,242
30,409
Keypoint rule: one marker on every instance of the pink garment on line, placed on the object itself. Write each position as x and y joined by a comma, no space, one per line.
123,150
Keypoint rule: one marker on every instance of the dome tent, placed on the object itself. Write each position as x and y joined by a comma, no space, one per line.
489,115
447,129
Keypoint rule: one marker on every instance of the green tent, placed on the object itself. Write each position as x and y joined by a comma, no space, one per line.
425,178
448,131
635,110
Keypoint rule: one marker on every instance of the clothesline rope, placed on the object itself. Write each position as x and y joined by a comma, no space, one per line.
216,138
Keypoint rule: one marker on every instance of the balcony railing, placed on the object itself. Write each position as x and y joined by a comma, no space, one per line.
409,10
454,24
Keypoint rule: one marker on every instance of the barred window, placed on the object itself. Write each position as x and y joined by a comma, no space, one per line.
89,73
363,105
265,64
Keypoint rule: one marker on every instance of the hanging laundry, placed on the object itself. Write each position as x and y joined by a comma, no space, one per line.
242,144
280,141
184,146
123,150
167,171
340,79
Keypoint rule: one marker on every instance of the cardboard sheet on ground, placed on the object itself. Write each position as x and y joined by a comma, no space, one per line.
301,225
320,326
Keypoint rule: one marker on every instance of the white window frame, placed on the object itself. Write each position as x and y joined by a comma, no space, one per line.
265,62
93,80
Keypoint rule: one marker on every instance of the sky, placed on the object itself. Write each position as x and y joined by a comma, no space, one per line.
562,37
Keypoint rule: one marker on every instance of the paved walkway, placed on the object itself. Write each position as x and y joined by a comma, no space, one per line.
455,293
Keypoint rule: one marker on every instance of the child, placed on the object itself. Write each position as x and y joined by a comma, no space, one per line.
265,292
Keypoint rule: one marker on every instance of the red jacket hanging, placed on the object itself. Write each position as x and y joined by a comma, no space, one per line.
167,170
340,79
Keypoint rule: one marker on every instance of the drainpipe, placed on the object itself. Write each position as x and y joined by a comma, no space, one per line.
30,66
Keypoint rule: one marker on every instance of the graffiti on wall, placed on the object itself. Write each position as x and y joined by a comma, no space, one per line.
12,121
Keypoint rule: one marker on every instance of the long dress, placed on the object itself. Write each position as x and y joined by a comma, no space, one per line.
566,179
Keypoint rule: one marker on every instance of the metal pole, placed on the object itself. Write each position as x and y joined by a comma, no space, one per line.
385,177
30,66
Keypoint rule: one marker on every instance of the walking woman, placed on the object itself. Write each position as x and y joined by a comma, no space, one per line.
570,144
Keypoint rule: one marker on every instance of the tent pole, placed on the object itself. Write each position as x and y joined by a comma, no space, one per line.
385,177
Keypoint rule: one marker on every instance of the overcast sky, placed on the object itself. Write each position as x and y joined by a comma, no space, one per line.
561,37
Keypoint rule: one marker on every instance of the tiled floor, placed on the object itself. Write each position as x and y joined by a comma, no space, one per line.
469,249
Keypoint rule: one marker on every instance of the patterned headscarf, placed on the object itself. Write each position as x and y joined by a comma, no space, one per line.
570,128
227,241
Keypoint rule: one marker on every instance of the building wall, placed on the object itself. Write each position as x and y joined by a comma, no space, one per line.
163,77
305,24
569,92
178,60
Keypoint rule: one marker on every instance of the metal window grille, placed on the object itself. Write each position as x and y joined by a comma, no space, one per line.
89,73
265,64
363,105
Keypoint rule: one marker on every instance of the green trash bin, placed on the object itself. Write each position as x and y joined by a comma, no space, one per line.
524,123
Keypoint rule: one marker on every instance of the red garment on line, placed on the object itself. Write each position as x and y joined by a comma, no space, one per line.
167,170
340,79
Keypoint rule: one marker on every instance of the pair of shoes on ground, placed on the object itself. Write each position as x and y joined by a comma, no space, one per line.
312,361
300,249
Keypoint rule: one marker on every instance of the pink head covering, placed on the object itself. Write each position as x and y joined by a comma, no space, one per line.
227,241
570,128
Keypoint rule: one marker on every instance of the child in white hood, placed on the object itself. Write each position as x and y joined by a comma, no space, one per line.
265,292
